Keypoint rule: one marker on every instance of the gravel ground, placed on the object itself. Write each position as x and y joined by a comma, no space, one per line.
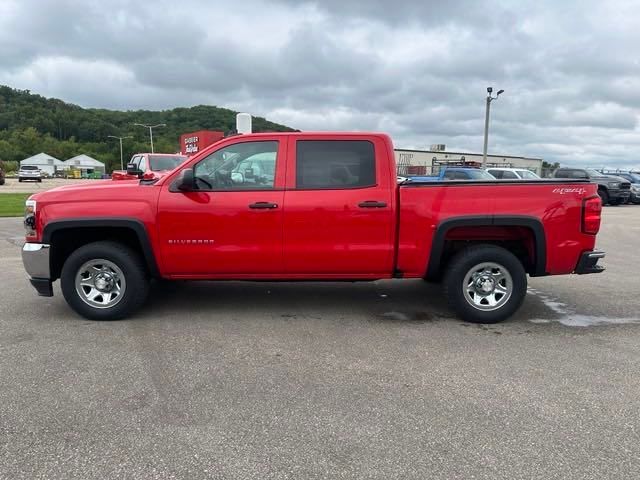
290,381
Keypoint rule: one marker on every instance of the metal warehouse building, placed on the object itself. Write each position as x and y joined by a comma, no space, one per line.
85,163
46,163
420,162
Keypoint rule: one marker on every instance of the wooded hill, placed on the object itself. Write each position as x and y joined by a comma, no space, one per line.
31,124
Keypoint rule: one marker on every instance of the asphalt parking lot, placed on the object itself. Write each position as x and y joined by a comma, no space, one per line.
282,380
12,185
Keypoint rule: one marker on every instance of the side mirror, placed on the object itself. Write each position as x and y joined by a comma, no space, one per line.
186,182
132,169
237,178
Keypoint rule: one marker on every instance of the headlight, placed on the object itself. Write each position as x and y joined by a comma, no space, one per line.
30,217
635,188
614,185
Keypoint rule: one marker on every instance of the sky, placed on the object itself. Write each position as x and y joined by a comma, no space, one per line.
417,70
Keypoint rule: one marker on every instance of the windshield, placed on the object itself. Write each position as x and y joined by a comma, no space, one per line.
480,175
158,163
632,177
29,167
593,173
527,175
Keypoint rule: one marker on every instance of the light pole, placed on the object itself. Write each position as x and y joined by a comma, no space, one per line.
120,138
486,123
151,127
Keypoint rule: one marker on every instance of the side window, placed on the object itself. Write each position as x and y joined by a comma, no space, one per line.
449,175
509,175
241,166
135,160
335,164
143,164
575,174
496,173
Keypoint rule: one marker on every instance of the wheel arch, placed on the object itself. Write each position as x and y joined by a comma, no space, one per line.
66,235
437,257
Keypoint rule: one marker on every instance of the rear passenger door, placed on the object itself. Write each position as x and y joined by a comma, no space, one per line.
339,204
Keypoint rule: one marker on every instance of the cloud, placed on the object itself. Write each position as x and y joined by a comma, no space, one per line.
416,69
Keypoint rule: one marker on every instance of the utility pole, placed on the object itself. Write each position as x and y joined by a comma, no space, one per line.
486,123
120,138
151,127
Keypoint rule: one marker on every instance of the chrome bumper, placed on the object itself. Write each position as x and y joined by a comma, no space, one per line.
35,257
588,262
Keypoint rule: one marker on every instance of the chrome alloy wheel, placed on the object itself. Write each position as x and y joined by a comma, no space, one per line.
100,283
487,286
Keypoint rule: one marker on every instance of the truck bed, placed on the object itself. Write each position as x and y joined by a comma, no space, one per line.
545,213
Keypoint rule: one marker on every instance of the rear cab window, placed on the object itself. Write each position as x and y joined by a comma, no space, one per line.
335,164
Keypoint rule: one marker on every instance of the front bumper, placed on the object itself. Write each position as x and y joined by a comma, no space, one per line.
621,195
588,262
35,257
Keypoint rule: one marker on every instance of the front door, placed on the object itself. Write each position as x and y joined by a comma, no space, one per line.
232,224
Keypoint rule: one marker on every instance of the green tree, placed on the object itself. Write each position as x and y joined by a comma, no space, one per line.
30,124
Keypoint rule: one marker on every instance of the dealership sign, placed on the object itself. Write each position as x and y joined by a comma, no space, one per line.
193,142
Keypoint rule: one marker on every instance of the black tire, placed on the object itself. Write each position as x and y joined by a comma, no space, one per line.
19,180
131,266
615,202
462,264
604,196
39,180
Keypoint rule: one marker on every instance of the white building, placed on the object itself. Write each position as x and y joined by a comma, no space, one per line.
46,163
85,163
424,161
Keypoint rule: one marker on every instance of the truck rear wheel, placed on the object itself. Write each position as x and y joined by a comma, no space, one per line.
104,281
485,284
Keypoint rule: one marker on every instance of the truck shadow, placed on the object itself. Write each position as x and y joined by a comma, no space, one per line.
388,301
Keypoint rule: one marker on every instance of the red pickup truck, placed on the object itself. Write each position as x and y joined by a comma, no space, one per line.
308,206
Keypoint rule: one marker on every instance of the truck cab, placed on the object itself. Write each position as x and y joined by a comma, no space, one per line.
455,173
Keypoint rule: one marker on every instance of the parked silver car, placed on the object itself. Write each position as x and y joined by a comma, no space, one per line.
29,172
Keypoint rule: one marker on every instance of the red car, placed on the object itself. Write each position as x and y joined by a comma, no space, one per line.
149,166
308,206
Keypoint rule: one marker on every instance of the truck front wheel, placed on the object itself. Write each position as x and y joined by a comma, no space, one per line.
485,284
104,281
604,196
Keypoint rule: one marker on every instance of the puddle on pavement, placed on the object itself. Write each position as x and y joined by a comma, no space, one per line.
570,318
